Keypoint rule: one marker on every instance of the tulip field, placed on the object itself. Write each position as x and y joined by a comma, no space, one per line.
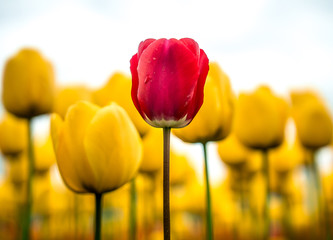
198,139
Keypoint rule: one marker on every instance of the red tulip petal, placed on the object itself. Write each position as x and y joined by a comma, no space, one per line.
191,45
168,72
135,83
143,45
199,93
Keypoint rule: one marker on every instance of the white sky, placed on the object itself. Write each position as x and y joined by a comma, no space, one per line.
282,43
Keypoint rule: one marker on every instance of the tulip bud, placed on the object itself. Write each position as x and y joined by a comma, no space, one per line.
13,135
213,121
312,119
118,89
97,149
28,84
260,119
67,96
168,77
232,152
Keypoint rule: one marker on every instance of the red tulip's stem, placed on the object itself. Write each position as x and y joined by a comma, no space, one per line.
98,215
267,202
31,163
209,222
132,218
166,183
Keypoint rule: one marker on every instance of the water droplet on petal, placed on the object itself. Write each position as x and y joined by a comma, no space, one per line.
147,79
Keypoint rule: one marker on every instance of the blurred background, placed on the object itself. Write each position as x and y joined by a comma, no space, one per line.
279,43
284,44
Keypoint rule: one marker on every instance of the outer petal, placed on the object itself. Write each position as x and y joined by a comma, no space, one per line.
71,158
65,171
168,72
113,147
143,45
135,84
198,96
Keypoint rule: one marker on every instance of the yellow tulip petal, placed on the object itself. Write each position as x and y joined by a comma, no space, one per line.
113,147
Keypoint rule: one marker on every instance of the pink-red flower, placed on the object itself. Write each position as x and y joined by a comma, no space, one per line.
168,77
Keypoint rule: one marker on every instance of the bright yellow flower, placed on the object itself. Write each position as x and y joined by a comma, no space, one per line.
28,84
213,121
67,96
232,152
260,119
97,149
13,135
118,89
44,155
312,119
152,160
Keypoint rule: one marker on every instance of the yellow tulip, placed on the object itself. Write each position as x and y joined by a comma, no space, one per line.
97,149
67,96
28,84
13,135
44,155
152,160
260,119
118,89
232,152
180,169
286,157
213,121
312,119
18,169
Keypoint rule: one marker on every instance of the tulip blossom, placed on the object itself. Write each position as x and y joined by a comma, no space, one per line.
312,119
118,89
260,119
97,149
45,157
28,84
13,135
219,103
168,77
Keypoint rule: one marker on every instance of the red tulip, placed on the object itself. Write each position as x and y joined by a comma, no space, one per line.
168,77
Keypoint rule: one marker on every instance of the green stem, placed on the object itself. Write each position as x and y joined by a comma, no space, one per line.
267,202
98,215
28,206
133,210
208,200
318,192
166,182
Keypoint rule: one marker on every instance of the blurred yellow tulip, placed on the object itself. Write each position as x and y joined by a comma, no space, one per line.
44,155
28,84
214,119
13,135
232,152
286,157
118,89
152,160
67,96
180,168
18,169
260,119
312,119
97,149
